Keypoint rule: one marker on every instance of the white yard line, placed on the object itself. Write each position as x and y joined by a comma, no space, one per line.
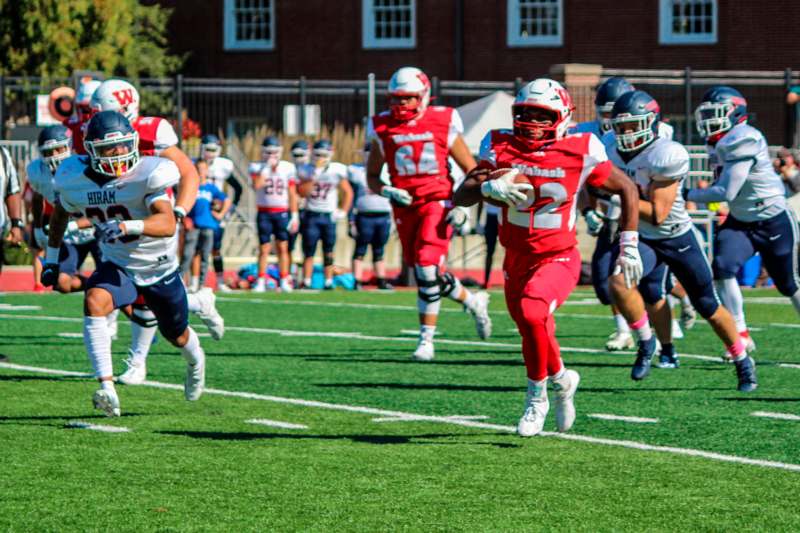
77,424
275,423
11,307
618,418
446,420
778,416
71,335
417,418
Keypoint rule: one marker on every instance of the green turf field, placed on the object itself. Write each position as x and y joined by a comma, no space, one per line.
381,443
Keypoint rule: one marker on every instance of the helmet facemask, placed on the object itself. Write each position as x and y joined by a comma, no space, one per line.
604,116
115,156
713,119
633,132
209,152
536,124
271,155
321,157
407,106
54,152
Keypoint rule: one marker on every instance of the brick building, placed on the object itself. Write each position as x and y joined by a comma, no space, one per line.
478,39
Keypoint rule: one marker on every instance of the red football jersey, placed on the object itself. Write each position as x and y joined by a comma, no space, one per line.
76,126
545,223
416,151
155,135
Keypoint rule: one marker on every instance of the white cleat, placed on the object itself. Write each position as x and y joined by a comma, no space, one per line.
536,408
677,332
135,374
107,401
620,341
208,313
286,285
564,390
261,285
480,312
195,380
424,351
224,288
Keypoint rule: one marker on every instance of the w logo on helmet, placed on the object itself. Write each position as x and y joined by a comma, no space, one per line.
124,97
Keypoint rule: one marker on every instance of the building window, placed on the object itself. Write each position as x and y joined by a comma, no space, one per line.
389,23
535,22
249,24
688,22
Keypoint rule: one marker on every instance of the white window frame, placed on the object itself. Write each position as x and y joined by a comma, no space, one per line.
666,36
368,39
515,40
233,44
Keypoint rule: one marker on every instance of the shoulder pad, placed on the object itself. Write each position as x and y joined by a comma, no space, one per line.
669,161
742,142
162,173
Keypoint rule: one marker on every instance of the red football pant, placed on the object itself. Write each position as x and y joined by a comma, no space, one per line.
424,233
535,288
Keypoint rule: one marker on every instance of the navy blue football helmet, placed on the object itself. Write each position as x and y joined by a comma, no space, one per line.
271,149
210,147
55,145
112,144
322,152
635,117
300,152
607,93
721,108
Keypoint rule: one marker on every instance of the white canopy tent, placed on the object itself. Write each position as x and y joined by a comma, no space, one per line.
493,111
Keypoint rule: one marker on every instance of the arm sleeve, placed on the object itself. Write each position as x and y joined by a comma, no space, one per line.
727,187
165,136
456,128
237,188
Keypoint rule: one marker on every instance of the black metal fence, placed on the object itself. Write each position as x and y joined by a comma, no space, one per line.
236,106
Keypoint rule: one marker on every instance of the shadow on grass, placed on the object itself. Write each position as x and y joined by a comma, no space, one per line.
27,377
760,399
77,416
421,386
426,438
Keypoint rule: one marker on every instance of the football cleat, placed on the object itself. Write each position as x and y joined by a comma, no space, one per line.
208,313
480,312
424,351
746,374
536,408
677,332
644,358
107,401
564,390
384,285
135,374
619,340
195,380
221,287
688,316
261,285
749,347
286,284
667,358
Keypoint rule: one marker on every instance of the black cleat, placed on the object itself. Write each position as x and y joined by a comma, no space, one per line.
644,358
667,358
746,373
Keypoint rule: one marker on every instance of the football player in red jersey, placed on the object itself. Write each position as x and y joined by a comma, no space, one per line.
415,140
534,173
82,113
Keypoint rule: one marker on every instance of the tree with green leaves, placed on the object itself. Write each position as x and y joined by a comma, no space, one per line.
51,39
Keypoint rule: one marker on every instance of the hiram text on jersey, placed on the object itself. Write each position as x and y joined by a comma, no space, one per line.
102,197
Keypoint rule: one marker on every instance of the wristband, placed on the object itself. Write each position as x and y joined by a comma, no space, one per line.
628,238
17,223
179,212
134,227
51,255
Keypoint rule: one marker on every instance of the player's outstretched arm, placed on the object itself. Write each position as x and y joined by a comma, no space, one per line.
469,192
619,183
726,188
190,180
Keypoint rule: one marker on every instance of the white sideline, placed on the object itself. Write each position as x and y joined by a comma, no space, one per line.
690,452
779,416
275,423
418,418
11,307
77,424
359,336
619,418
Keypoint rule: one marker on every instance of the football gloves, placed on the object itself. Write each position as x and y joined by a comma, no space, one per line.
458,217
503,189
629,262
594,221
108,231
396,195
294,223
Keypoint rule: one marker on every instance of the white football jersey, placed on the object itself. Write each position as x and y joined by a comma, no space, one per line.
662,160
145,259
325,196
219,170
367,201
274,194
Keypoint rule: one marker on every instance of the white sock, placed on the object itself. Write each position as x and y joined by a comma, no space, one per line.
455,292
642,329
108,385
192,351
427,332
142,336
621,324
98,345
307,282
686,302
672,301
560,374
195,281
111,318
428,308
193,302
329,282
796,301
731,296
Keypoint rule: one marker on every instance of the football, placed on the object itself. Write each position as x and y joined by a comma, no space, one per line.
500,172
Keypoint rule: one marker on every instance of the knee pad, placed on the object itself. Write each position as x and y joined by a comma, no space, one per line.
448,284
428,286
143,316
707,303
327,260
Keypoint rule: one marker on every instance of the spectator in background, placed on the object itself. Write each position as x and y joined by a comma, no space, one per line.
11,211
786,167
793,99
203,221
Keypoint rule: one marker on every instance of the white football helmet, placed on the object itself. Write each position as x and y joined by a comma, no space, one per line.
117,95
551,102
409,81
83,98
